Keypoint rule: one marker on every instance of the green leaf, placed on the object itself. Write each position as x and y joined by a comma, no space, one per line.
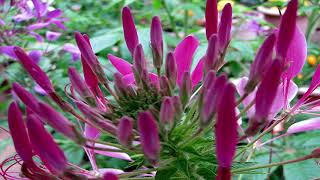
165,174
182,165
302,171
104,41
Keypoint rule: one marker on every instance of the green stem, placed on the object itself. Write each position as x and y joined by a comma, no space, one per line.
273,164
242,98
246,109
136,172
171,18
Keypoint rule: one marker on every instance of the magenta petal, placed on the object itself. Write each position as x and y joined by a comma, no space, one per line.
110,170
52,36
297,54
38,37
306,125
128,79
38,26
118,155
226,127
91,132
224,31
54,13
211,18
154,79
197,73
129,29
183,55
241,90
121,65
279,103
2,23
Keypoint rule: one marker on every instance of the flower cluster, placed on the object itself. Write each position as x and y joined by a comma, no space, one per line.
163,113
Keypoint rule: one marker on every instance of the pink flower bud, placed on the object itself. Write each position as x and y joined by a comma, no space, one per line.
79,85
185,89
165,86
211,99
139,59
224,31
177,106
119,85
287,29
223,173
156,42
26,97
19,133
211,18
45,147
211,59
226,130
129,29
171,69
34,70
149,136
167,113
261,62
124,131
59,122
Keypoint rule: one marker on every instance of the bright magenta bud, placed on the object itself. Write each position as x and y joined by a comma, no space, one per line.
211,99
124,131
80,86
34,70
167,113
212,55
171,69
19,133
224,32
156,42
149,136
119,85
26,97
45,147
261,63
186,88
165,86
287,29
110,176
139,59
59,122
226,132
211,18
129,30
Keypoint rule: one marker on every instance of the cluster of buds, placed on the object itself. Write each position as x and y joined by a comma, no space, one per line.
147,112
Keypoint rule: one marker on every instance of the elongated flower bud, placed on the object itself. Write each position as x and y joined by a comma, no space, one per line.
120,87
149,136
59,122
45,147
165,86
124,131
208,81
26,97
129,29
139,59
19,133
211,59
224,31
95,118
211,18
156,42
177,106
171,69
186,88
226,132
167,113
34,70
211,99
261,63
80,86
286,30
265,96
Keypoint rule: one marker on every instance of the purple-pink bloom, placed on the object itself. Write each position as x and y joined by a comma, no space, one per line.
149,136
211,18
129,29
54,14
8,50
226,131
35,55
224,31
45,147
52,36
34,70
